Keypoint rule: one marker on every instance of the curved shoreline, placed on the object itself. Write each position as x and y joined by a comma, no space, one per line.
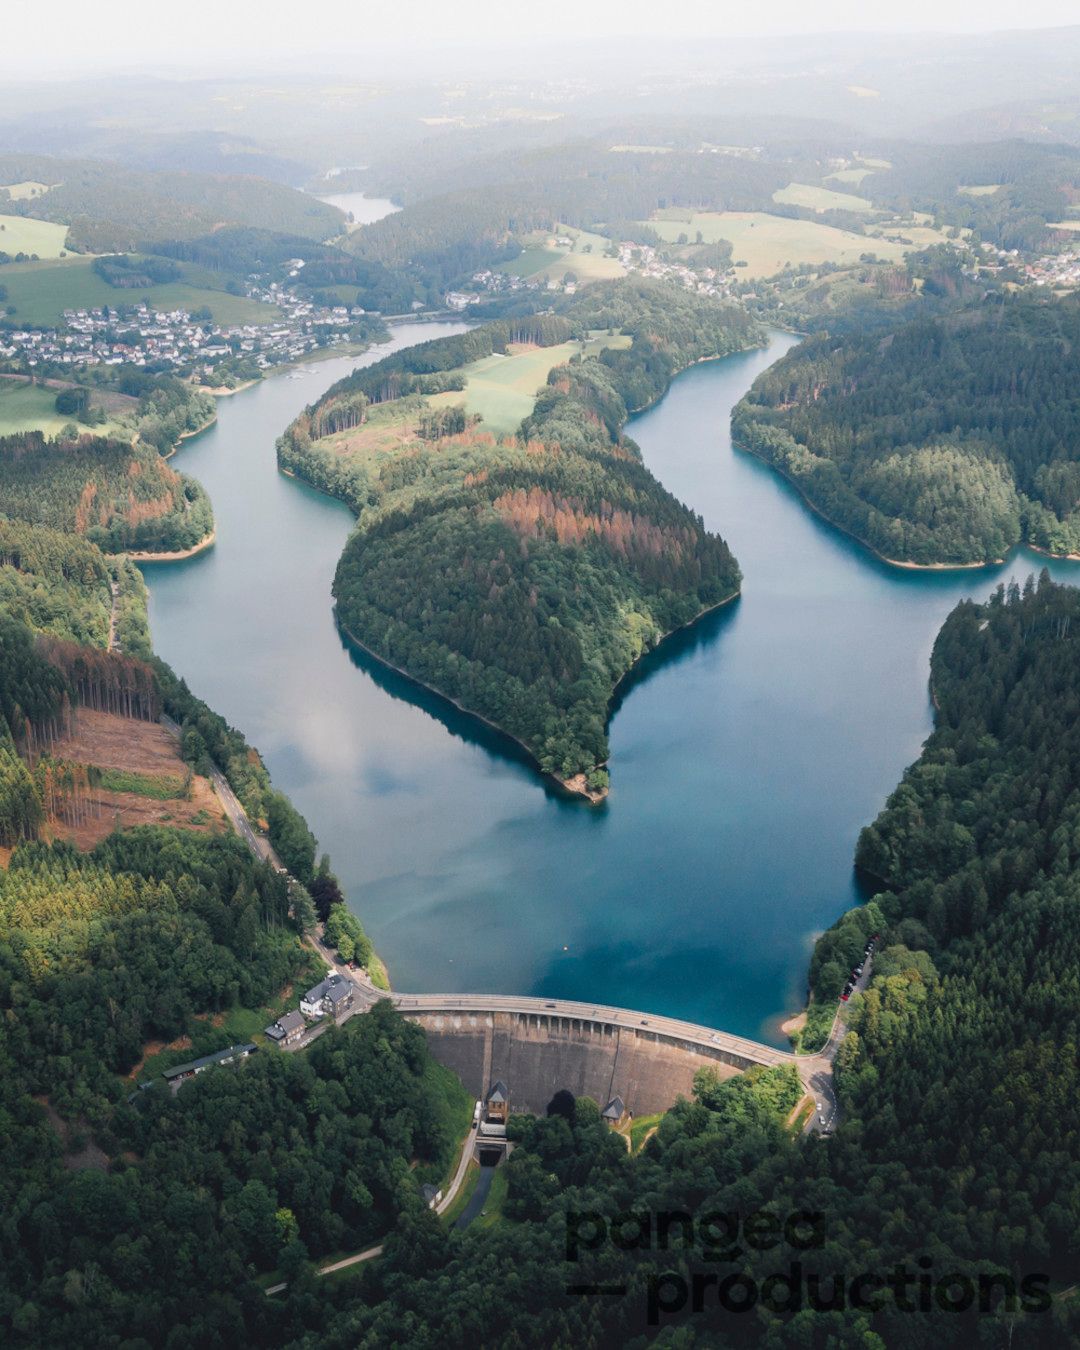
178,556
850,534
575,786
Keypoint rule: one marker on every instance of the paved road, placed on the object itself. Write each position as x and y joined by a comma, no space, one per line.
688,1032
815,1070
821,1083
444,1204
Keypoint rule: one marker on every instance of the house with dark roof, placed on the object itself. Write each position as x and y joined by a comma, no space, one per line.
498,1102
615,1114
339,998
332,995
288,1028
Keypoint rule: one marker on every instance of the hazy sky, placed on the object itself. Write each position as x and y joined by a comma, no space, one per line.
39,36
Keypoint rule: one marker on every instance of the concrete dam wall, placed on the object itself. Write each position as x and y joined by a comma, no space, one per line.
538,1054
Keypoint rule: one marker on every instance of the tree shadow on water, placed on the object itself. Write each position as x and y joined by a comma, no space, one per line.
474,730
680,646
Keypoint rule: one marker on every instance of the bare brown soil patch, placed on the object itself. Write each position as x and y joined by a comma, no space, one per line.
155,1048
114,742
124,810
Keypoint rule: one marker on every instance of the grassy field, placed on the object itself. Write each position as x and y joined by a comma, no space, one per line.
854,176
769,243
547,261
20,192
533,260
1064,225
20,234
502,389
821,198
27,407
42,291
920,236
979,189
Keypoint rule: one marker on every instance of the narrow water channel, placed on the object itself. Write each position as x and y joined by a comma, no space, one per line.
746,755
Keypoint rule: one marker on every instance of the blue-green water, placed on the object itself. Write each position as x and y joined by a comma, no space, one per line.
746,755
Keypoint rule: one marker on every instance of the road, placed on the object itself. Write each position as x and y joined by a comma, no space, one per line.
821,1083
688,1032
816,1071
370,1253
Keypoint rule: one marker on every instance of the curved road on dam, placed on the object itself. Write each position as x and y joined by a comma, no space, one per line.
746,754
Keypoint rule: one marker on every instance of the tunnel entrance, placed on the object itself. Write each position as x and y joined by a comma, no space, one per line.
489,1157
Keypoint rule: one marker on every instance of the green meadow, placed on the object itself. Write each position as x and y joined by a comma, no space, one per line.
28,407
502,389
854,176
20,234
821,198
768,244
20,192
42,291
547,261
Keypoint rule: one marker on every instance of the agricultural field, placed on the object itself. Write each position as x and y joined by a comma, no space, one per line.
979,189
29,407
42,291
768,244
821,198
533,260
545,260
21,192
909,236
853,176
1064,225
502,389
20,234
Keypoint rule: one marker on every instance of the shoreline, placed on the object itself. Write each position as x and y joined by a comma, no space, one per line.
850,534
561,784
143,556
701,361
575,786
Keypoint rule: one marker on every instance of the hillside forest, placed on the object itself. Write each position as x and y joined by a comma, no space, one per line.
944,441
522,576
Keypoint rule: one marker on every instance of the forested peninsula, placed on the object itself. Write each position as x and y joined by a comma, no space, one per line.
521,574
946,442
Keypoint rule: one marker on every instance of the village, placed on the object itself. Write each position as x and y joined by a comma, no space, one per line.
183,342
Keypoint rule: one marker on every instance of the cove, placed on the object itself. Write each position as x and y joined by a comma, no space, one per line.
746,753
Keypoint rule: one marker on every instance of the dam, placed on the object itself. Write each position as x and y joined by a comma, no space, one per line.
541,1046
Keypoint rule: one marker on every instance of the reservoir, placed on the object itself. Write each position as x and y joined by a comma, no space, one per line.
746,754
